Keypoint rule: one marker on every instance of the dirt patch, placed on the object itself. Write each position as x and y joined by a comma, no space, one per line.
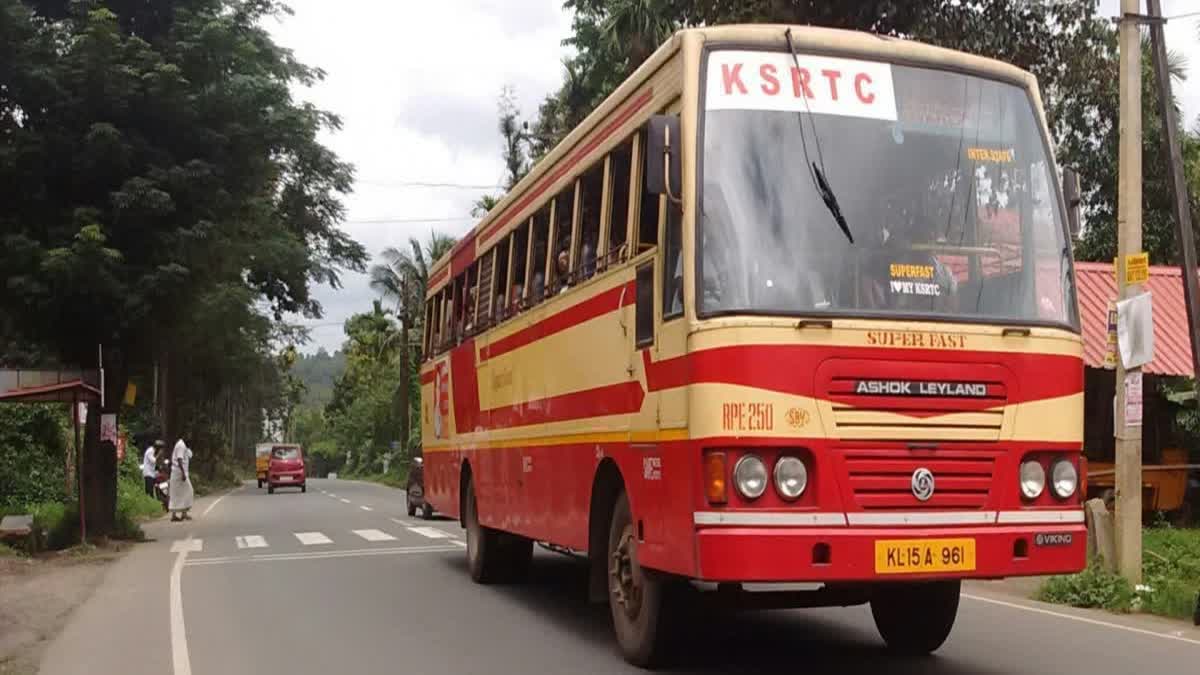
37,597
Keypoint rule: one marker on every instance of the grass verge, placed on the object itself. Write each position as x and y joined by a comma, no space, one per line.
1170,571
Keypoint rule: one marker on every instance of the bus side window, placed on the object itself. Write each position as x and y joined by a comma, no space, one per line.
500,279
644,323
560,248
487,271
591,193
427,338
538,243
673,270
621,175
520,255
650,208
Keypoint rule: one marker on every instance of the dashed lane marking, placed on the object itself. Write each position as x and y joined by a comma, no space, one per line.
312,538
374,535
250,541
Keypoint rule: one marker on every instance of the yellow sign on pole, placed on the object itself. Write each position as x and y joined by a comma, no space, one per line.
130,393
1110,350
1137,268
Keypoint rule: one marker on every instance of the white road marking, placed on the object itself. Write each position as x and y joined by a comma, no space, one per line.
312,538
1081,619
250,541
322,555
458,543
374,535
179,649
344,500
366,508
431,532
214,504
187,545
332,495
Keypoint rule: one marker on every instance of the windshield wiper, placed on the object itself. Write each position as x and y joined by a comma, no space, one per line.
820,182
831,201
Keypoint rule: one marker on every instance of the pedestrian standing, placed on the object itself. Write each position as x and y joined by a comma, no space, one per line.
181,492
150,465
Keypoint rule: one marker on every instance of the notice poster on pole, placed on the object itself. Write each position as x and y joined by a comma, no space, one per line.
1135,330
1133,399
108,428
1110,350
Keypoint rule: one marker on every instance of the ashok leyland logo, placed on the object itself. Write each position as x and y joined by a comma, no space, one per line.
922,484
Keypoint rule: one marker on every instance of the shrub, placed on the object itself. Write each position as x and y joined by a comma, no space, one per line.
32,454
1093,587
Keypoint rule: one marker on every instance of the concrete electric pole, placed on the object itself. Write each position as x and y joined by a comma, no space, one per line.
1129,241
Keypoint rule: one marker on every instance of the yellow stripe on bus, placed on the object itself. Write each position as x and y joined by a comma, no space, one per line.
663,436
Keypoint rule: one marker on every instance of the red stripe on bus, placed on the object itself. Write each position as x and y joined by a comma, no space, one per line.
613,399
463,256
597,306
790,369
427,377
611,128
439,276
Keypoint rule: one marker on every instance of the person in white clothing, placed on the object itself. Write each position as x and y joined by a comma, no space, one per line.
181,492
150,465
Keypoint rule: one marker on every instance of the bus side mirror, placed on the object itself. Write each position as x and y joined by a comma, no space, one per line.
1073,198
663,160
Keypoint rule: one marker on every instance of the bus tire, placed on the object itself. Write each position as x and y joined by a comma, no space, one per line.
427,511
915,619
493,556
636,597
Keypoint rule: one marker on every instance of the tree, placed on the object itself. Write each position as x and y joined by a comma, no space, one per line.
484,205
516,160
402,280
159,183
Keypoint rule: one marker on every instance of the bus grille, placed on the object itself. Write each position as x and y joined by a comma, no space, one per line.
882,479
917,418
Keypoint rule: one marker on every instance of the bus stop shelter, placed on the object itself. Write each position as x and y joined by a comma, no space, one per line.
56,386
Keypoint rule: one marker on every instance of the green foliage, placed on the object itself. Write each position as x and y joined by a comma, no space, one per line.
32,454
166,196
317,372
1171,569
1093,587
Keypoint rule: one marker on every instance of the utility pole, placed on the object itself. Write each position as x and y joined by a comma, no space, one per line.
1174,156
1129,240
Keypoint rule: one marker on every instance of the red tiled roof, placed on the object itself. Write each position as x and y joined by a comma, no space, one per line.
1172,351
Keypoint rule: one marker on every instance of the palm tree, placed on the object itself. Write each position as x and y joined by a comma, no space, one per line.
402,279
635,28
484,205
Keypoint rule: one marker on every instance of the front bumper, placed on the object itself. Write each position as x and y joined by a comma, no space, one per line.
786,554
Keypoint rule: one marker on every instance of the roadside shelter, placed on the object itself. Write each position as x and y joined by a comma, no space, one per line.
57,386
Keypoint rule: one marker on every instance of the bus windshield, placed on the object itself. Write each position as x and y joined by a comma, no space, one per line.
943,179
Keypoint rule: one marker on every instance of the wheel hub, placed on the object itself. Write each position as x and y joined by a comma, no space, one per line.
626,575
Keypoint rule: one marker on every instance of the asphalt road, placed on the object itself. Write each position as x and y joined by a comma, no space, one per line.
340,580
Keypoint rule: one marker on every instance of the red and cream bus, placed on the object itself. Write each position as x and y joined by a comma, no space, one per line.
792,305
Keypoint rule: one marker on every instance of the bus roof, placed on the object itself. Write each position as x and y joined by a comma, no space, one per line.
805,38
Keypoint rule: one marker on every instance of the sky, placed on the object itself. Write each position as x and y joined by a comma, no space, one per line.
416,86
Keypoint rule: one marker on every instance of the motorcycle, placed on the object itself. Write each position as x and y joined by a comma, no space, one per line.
162,482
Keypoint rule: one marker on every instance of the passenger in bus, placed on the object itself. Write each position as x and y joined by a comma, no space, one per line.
498,308
538,287
587,267
903,272
515,302
562,271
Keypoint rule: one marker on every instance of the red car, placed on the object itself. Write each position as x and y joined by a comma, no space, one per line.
286,468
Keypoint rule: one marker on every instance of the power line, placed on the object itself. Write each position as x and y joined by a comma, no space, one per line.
423,184
1181,16
388,221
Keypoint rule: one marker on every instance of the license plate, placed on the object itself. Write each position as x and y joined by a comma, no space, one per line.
284,479
920,556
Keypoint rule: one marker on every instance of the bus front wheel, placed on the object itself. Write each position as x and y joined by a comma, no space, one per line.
637,597
493,556
915,619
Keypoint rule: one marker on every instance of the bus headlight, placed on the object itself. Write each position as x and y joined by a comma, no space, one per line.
1064,479
791,477
1033,479
750,476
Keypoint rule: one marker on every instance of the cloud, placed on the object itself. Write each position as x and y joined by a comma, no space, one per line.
416,86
